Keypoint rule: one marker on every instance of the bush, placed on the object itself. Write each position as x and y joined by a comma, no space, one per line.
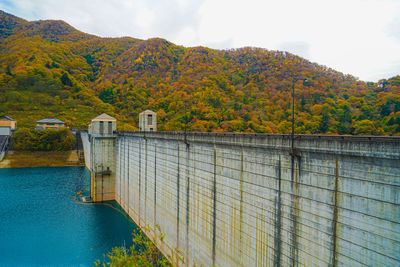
143,253
43,140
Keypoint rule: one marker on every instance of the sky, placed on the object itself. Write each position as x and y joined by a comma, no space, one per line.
357,37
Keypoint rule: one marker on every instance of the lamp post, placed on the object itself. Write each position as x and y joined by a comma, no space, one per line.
306,81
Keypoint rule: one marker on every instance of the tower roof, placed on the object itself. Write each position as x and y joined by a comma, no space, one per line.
104,117
148,111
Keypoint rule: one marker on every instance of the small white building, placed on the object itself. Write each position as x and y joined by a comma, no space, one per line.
6,121
7,125
50,124
148,121
103,124
5,130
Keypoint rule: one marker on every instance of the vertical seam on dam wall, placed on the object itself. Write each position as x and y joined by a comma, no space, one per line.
241,202
145,181
93,175
102,174
277,260
140,179
187,201
178,200
124,176
119,146
129,151
292,247
335,215
214,219
123,170
194,188
295,172
155,184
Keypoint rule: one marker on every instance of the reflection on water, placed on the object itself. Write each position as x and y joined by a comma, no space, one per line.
41,224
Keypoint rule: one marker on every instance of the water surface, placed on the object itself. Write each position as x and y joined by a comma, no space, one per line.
42,225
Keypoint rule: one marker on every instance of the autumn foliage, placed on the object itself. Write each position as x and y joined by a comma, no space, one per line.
50,69
43,140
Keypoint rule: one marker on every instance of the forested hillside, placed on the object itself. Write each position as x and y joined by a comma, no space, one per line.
50,69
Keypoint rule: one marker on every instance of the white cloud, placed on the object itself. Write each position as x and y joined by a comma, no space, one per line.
360,37
187,36
299,48
144,18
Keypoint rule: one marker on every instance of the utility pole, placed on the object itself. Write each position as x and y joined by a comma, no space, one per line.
292,137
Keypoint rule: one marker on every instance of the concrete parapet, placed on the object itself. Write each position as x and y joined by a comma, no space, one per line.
367,146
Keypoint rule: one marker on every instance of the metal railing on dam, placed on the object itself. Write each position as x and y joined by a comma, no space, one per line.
250,200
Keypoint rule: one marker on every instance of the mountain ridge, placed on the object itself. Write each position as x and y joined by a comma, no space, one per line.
240,90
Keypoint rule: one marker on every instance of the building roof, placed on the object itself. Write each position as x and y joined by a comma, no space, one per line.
50,121
148,111
6,117
104,117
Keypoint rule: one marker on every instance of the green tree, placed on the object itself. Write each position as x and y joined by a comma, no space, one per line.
324,124
107,96
65,79
344,117
43,140
367,127
143,253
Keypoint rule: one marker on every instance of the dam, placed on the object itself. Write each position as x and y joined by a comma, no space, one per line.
228,199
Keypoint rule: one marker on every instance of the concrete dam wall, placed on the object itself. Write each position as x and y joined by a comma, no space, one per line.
86,148
250,200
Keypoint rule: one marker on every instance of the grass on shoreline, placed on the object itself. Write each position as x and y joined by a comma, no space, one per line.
23,159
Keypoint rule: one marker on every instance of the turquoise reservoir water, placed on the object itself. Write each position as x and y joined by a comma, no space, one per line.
42,225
